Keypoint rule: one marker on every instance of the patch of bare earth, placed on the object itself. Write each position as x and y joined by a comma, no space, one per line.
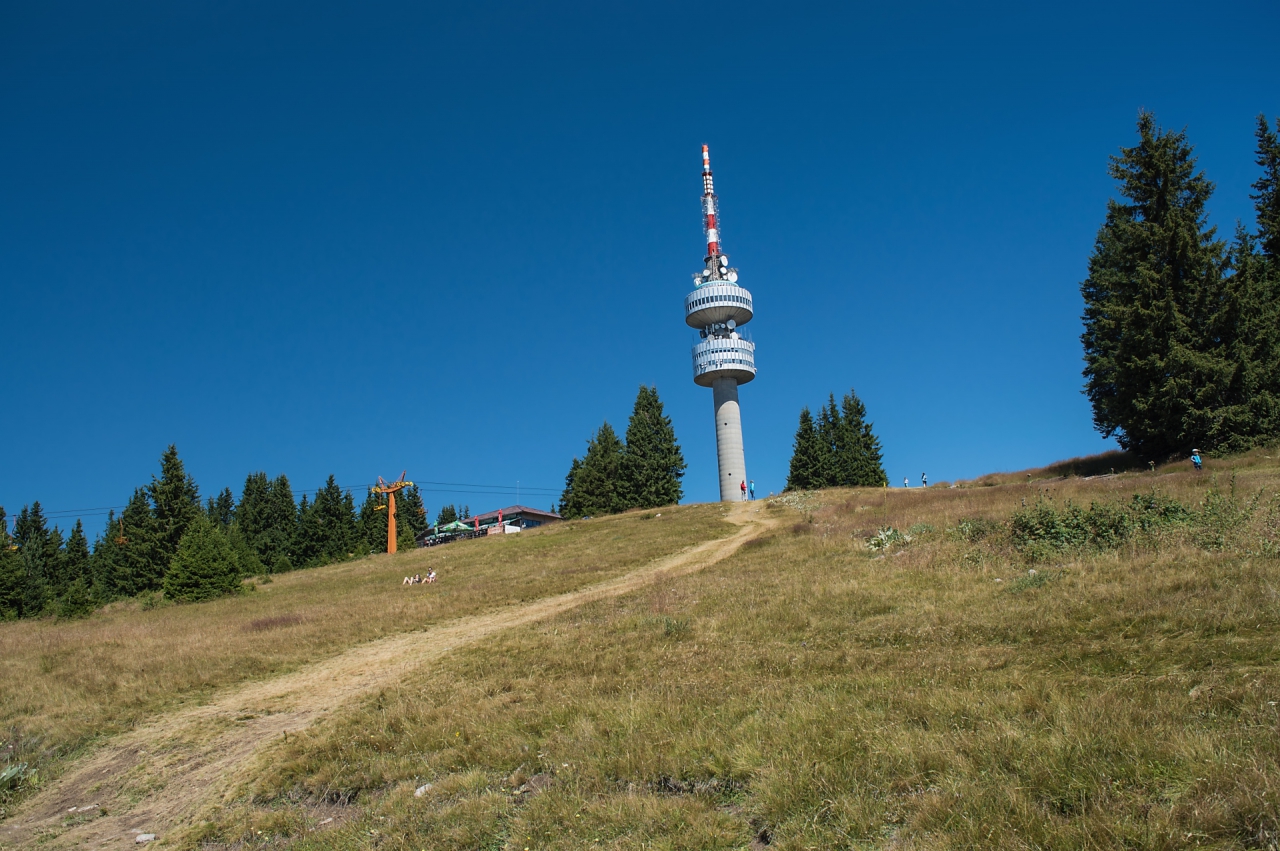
159,778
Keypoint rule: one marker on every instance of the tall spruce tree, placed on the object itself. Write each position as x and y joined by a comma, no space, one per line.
448,514
139,562
373,523
1266,192
597,487
222,511
175,502
411,513
281,518
566,495
11,574
308,540
839,450
204,566
804,473
1152,373
333,524
652,464
38,553
862,464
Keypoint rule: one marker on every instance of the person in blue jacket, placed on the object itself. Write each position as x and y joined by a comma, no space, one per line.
1195,459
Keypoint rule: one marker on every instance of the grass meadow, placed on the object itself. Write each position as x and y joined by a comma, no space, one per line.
66,684
951,690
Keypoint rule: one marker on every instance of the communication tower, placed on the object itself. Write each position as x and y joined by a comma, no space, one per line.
722,358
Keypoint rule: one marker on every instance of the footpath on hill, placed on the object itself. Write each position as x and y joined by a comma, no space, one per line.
158,778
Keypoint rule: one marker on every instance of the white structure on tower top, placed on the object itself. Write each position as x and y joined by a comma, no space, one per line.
718,307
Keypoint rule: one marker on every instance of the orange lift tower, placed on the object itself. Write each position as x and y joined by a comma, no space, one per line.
390,488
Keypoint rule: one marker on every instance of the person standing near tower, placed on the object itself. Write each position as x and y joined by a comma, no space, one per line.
751,489
722,358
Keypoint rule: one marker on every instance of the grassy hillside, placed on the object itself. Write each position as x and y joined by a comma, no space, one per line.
68,683
983,684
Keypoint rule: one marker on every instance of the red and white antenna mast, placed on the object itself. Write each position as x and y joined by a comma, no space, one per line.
710,207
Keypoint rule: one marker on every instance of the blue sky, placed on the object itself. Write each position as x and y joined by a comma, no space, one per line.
314,238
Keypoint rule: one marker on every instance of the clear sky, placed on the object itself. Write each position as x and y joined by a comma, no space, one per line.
356,238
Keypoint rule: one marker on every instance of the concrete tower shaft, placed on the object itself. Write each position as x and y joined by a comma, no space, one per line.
722,358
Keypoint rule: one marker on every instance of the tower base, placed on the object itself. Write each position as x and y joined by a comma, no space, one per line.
733,463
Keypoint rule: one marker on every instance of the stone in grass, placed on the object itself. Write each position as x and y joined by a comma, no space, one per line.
422,790
143,838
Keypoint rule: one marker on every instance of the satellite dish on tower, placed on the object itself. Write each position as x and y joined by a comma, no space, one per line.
733,277
731,324
724,259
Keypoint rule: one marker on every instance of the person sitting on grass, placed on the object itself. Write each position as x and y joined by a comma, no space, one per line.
431,576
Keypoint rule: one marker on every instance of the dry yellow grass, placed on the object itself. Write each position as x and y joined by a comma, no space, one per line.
65,684
814,694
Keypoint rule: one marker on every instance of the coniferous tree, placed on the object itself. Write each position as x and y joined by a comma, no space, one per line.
333,524
411,514
37,551
222,511
1266,194
282,516
828,427
806,451
307,540
204,565
597,489
448,514
566,495
76,593
1153,374
253,514
11,574
652,464
175,502
862,464
373,523
140,562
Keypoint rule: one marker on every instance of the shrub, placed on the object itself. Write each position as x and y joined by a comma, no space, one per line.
204,566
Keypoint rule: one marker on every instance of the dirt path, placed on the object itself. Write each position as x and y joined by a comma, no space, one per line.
158,778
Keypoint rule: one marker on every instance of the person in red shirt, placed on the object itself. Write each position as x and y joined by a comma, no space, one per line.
743,485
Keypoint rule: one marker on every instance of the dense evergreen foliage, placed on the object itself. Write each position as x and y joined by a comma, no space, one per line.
166,540
839,450
643,472
1182,330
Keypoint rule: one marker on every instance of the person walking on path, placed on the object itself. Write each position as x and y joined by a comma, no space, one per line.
924,480
751,489
743,485
905,482
1195,459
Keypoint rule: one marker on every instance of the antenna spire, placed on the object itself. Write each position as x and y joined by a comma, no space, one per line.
710,207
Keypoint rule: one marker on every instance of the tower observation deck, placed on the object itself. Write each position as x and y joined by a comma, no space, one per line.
722,359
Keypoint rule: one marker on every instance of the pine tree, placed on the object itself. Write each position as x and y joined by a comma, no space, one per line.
597,489
139,564
307,543
175,502
805,452
411,514
204,565
76,597
566,495
373,524
333,524
863,464
448,514
37,554
222,511
1151,374
11,574
253,513
281,517
1266,194
828,474
652,464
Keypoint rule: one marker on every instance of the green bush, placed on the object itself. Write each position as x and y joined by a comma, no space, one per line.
204,566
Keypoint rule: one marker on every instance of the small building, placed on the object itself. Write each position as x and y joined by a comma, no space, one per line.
521,516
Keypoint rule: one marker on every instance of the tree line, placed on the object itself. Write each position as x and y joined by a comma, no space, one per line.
1182,328
165,540
839,449
643,472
